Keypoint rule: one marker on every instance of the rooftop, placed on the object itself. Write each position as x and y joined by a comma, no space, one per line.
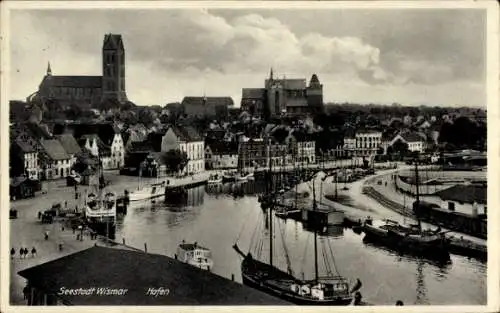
137,272
54,149
69,143
464,194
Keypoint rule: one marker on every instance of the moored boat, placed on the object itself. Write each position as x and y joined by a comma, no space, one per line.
329,289
195,255
214,179
148,192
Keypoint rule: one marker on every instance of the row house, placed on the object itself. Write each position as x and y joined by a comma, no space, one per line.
220,155
97,148
186,139
252,153
55,161
110,140
302,148
23,160
71,146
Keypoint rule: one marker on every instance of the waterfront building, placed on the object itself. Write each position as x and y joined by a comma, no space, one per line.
414,141
55,163
252,153
22,188
207,107
87,91
186,139
367,142
221,155
71,146
350,143
302,148
23,159
284,96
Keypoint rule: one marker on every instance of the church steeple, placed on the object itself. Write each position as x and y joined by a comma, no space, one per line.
49,70
271,74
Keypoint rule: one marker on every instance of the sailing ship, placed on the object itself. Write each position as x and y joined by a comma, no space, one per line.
100,208
408,238
322,290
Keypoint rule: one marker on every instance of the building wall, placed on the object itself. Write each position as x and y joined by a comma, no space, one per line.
57,169
91,145
170,141
367,144
305,153
223,161
118,151
31,164
196,156
252,152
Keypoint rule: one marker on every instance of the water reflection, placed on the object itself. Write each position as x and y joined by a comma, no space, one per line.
215,216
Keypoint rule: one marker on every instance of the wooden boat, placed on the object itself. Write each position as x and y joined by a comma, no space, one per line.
229,176
322,290
408,238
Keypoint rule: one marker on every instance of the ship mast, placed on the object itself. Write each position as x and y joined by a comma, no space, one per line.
417,201
270,177
315,238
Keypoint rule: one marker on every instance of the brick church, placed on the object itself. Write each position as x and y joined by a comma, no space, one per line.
284,96
87,91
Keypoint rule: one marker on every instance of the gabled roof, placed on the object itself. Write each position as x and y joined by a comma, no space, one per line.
24,146
253,93
186,133
464,194
411,137
69,143
137,271
208,101
73,81
54,149
112,42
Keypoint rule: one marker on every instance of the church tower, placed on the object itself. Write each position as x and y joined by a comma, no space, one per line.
113,68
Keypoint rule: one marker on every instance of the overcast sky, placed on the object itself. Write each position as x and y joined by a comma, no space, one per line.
433,57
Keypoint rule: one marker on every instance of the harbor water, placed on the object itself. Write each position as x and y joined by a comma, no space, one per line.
216,216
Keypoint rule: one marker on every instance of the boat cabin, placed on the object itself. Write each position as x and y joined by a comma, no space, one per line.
192,250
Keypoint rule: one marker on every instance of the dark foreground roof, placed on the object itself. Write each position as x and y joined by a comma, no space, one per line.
137,272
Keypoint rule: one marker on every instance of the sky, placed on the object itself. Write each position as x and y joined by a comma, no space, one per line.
412,57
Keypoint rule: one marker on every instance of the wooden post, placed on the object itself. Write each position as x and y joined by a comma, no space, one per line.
146,247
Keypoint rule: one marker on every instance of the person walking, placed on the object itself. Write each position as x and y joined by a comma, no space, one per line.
25,292
26,252
46,235
12,253
33,252
21,252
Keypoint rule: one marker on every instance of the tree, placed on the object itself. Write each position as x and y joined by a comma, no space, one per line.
175,160
400,147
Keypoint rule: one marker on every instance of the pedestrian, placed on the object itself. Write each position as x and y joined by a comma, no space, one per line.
399,303
25,292
33,252
46,235
12,253
39,215
26,252
21,252
358,299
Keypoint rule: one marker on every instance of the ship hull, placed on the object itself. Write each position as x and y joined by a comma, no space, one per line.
106,228
436,249
259,275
